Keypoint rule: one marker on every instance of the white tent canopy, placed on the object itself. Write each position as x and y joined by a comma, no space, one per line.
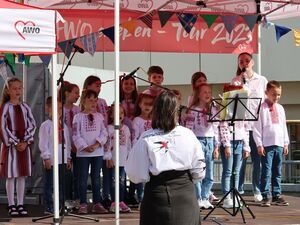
276,9
26,29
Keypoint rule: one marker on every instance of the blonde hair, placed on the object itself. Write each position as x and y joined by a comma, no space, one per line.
86,94
5,95
196,99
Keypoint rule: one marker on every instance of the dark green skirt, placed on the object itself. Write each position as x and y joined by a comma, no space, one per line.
170,199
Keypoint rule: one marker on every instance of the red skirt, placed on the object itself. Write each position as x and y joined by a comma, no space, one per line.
15,163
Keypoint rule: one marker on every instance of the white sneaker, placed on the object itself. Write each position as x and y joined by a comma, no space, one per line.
237,201
257,198
228,203
201,204
207,204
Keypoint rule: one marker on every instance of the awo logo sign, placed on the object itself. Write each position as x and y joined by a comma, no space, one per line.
145,4
26,27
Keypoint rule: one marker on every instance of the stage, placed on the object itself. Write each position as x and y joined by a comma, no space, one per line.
274,215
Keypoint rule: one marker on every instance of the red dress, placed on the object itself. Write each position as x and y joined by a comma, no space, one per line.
17,125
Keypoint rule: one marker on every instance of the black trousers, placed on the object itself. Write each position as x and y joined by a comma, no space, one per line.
170,199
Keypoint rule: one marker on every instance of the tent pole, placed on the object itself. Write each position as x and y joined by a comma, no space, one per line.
259,50
259,37
55,140
117,108
24,81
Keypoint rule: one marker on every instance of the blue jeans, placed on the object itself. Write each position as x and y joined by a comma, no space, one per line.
232,163
48,186
271,171
75,176
203,187
96,164
106,176
256,168
122,183
139,189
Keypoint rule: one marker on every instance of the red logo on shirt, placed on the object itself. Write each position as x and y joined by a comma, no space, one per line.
163,145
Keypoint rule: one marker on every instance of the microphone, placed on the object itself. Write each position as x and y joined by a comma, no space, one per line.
132,72
78,49
243,77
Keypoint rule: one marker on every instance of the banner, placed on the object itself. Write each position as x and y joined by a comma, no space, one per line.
27,30
171,38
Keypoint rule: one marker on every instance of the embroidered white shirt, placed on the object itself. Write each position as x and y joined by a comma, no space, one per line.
87,132
156,152
266,133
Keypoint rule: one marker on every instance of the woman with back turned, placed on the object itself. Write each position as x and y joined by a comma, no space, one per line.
169,159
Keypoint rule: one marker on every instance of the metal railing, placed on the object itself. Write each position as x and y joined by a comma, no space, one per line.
291,163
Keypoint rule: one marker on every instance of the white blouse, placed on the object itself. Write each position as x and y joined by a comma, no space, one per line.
197,121
156,152
140,125
87,132
124,141
46,142
256,87
241,134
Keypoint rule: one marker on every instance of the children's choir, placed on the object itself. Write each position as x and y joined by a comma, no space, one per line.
89,141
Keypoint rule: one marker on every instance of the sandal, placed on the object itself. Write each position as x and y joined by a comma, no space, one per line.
22,211
12,211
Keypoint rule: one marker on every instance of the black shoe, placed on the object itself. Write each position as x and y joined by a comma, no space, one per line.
106,203
12,211
266,202
22,211
132,202
280,201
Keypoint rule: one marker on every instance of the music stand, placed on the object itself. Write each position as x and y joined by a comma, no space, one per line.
63,211
240,112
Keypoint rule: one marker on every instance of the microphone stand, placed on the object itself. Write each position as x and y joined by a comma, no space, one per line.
63,211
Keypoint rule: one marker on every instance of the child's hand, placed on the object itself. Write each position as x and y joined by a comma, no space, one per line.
261,151
227,152
216,153
47,164
246,154
21,146
88,149
69,164
109,163
73,148
95,146
285,150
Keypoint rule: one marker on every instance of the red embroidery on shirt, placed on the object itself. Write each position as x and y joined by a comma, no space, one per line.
164,145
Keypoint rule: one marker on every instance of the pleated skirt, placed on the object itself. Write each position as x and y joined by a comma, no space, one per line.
170,199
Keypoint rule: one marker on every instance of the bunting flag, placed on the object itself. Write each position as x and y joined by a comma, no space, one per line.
250,20
280,31
46,59
265,23
164,17
27,60
130,26
21,58
296,37
10,61
89,42
209,19
67,46
229,22
147,19
3,71
110,33
187,21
